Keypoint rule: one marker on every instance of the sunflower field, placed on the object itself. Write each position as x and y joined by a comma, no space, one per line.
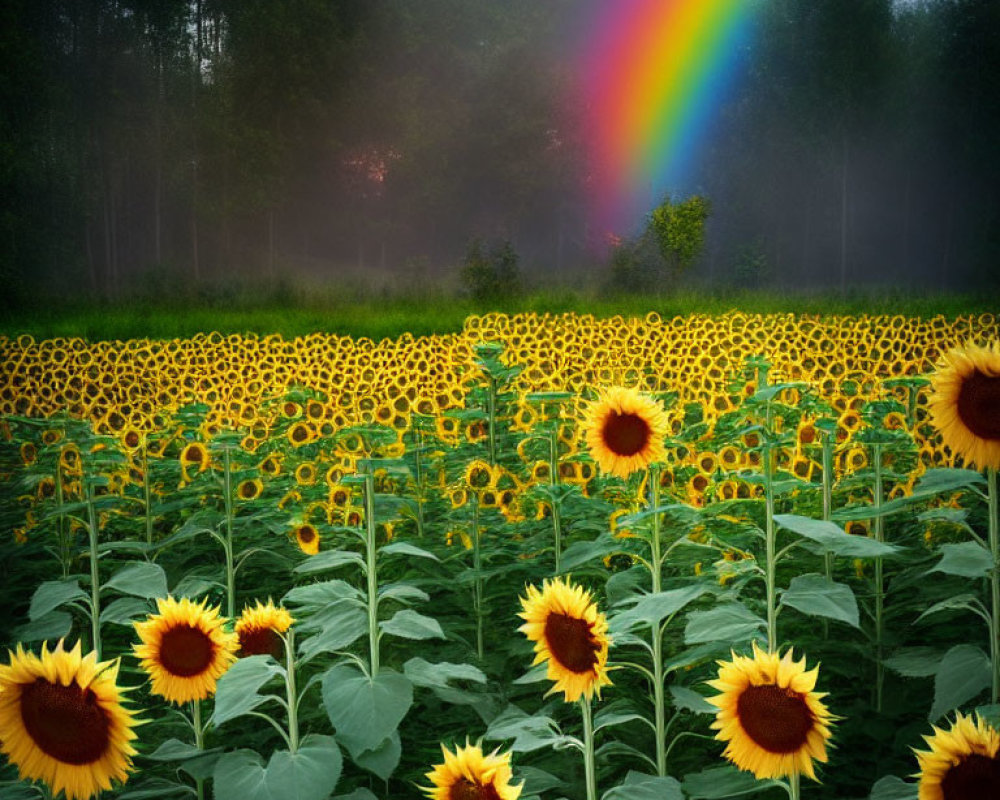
550,556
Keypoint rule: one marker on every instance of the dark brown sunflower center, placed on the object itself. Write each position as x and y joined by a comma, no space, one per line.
979,405
66,722
974,778
625,434
467,790
306,534
300,434
195,455
261,642
248,491
186,651
776,719
570,642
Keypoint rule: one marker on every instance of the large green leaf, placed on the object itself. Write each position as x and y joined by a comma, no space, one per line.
383,759
365,711
338,626
832,537
915,662
581,553
52,594
237,690
529,732
141,579
331,559
240,775
947,479
892,788
968,559
407,549
310,773
731,622
690,700
962,674
639,786
318,595
408,624
816,596
52,626
727,781
651,609
122,610
423,673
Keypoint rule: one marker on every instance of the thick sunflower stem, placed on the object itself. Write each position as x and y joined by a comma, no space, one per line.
64,547
879,530
553,481
659,702
95,577
827,459
227,485
147,495
994,537
771,557
419,478
199,741
590,770
491,412
477,586
373,632
794,787
291,692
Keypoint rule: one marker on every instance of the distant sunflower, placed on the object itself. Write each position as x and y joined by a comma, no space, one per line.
259,628
624,431
62,721
962,764
184,649
250,489
468,774
772,720
965,403
308,538
194,455
570,634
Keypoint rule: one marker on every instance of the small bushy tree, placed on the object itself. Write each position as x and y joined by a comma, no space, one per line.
680,230
491,274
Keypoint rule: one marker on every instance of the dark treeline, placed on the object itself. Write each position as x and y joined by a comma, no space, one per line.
158,144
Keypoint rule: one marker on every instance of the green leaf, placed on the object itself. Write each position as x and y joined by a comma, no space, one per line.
176,750
330,559
960,602
123,610
423,673
528,732
616,714
357,794
690,700
832,537
947,479
236,691
580,553
193,586
816,596
339,626
639,786
892,788
536,780
408,624
365,711
52,594
318,595
651,609
384,759
725,781
141,579
54,625
968,559
310,773
407,549
732,622
962,674
402,592
240,775
152,789
915,662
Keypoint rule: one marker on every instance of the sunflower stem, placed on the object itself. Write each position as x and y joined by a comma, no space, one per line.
879,529
199,741
64,548
373,643
590,771
659,702
477,586
95,578
292,691
147,494
994,535
772,611
419,478
794,788
827,510
227,482
553,481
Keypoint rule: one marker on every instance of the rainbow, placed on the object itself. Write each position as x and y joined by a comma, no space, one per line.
654,73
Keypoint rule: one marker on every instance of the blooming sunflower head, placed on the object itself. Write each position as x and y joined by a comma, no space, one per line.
184,649
965,403
469,774
772,721
963,763
307,538
570,634
62,721
624,431
259,630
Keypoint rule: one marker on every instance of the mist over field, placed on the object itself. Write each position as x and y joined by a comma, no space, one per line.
155,145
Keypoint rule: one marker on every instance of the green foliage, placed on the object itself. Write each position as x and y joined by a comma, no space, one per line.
679,228
491,274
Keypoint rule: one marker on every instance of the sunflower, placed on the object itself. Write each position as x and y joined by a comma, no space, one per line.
962,764
468,774
250,489
965,403
184,649
307,537
571,634
772,720
259,629
62,721
624,431
194,454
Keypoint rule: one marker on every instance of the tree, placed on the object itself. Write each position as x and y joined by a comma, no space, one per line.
679,229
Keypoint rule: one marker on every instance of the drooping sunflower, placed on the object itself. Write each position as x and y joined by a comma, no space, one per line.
962,764
469,774
194,455
250,489
62,721
307,538
965,403
184,649
570,634
258,629
773,722
624,431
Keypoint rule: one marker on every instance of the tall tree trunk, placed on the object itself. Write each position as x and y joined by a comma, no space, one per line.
843,214
195,84
158,165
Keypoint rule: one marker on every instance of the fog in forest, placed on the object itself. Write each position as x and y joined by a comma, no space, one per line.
156,145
